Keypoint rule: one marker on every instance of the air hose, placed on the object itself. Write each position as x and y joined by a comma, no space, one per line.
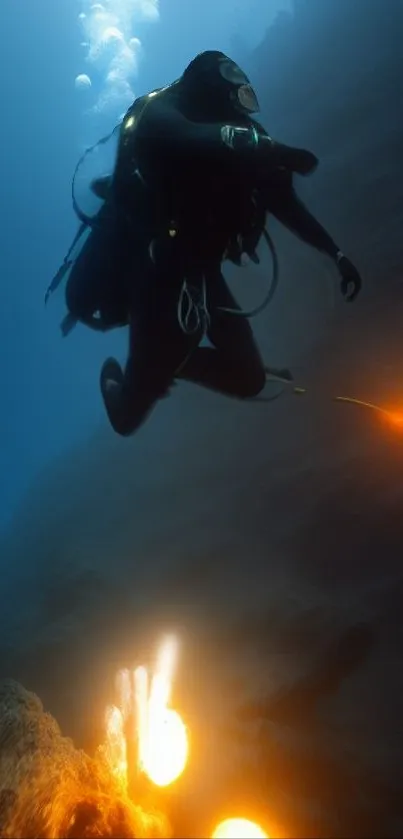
251,313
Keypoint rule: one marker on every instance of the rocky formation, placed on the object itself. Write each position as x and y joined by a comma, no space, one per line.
50,789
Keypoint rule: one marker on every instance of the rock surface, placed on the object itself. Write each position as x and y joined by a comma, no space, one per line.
50,789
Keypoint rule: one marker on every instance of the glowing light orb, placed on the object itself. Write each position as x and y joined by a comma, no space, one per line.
166,750
162,735
395,418
239,829
144,713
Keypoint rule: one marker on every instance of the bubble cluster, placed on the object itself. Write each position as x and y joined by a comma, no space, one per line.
112,49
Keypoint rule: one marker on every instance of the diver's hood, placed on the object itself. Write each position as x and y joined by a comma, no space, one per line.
215,84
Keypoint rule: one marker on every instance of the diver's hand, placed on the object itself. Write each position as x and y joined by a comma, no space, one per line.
305,162
351,283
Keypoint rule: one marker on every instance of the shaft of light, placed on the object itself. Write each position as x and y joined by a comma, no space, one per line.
141,697
161,685
115,747
124,692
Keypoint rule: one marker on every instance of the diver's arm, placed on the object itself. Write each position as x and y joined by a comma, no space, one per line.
164,126
288,208
164,123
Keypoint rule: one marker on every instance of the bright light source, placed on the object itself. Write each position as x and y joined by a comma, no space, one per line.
162,735
167,747
239,829
144,712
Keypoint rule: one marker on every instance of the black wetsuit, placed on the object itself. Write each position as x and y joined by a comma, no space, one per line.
179,197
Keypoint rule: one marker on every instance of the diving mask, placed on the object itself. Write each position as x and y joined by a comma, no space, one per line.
242,94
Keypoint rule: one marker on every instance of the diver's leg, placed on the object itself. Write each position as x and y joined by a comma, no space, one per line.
158,347
233,365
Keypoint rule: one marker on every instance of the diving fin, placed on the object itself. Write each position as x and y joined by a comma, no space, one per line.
279,374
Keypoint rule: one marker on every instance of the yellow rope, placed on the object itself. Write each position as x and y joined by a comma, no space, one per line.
393,416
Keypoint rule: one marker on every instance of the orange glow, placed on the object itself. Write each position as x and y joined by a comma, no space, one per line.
167,747
115,746
239,829
143,718
124,690
162,739
395,418
162,735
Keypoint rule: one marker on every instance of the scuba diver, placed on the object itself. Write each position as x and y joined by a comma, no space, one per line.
194,180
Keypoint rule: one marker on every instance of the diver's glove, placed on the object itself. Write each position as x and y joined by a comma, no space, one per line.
304,162
351,283
248,142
